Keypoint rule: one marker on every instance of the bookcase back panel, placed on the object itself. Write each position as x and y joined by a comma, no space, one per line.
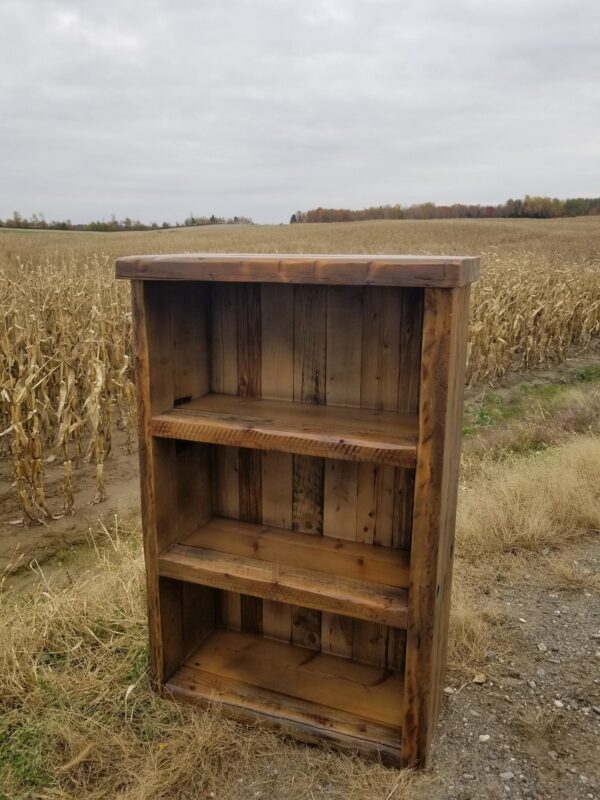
349,346
352,346
356,346
365,503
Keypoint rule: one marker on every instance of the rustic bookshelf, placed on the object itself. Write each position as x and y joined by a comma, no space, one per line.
299,422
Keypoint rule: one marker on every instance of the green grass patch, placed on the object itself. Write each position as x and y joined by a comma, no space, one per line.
495,407
22,754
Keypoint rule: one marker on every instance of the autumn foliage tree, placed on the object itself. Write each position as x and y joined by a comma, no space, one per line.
528,207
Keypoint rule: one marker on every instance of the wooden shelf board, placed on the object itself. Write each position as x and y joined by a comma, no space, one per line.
366,270
320,572
350,434
308,694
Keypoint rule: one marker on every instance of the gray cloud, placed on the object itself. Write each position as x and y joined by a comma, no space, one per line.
157,109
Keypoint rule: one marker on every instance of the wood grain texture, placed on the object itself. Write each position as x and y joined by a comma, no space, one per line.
277,371
379,380
327,554
422,271
224,339
296,691
226,503
442,386
169,476
248,312
311,589
343,433
299,453
190,352
344,338
310,356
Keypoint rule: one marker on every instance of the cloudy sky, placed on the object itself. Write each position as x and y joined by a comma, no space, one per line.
261,107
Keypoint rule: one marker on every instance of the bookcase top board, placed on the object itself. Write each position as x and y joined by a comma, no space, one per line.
358,270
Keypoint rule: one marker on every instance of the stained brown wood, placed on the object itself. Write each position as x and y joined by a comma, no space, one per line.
310,356
442,386
223,318
299,423
328,554
165,483
277,373
344,335
250,461
331,432
367,270
380,377
290,685
309,589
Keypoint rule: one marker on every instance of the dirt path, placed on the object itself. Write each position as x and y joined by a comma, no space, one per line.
21,542
532,728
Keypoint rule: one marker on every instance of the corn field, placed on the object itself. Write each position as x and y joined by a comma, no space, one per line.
66,379
65,338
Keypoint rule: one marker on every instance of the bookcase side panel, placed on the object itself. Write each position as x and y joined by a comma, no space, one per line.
166,482
436,482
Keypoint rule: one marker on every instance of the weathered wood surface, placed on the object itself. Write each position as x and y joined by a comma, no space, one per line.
327,554
366,270
170,472
313,696
308,588
436,484
299,450
349,434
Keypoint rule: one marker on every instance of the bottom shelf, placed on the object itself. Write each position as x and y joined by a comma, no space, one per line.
304,693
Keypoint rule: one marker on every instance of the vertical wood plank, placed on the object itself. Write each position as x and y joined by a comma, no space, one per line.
446,553
198,615
154,379
410,350
277,374
224,339
380,365
171,345
171,629
248,309
310,355
226,503
194,486
404,479
344,340
191,341
440,412
224,380
380,368
277,341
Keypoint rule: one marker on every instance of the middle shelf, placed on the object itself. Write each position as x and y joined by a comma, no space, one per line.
321,572
350,434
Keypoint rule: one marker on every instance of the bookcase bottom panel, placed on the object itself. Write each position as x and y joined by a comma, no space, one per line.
304,693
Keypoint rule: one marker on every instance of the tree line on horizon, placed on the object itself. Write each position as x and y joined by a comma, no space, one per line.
528,208
39,222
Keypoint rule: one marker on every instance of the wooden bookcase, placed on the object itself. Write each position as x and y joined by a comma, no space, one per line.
299,421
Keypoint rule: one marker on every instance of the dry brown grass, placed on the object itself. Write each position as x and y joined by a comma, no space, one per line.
79,719
65,327
509,512
570,575
524,504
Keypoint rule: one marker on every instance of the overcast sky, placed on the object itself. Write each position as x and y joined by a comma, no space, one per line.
262,107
